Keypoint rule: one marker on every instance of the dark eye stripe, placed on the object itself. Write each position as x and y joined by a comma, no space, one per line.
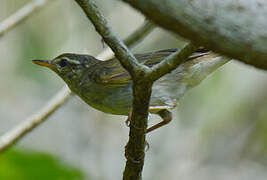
63,63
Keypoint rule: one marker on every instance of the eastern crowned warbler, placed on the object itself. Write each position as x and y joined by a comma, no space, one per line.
107,86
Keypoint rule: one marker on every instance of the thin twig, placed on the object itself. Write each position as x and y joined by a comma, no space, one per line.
12,136
33,121
21,15
172,61
139,34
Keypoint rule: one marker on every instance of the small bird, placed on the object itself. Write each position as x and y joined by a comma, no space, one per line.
107,86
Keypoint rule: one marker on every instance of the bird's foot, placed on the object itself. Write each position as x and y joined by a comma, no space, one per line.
128,120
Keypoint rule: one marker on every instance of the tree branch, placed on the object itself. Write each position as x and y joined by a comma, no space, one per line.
126,58
36,119
12,136
139,34
142,85
21,15
134,38
141,91
214,24
171,62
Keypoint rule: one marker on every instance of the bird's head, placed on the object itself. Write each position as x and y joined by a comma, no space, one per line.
70,67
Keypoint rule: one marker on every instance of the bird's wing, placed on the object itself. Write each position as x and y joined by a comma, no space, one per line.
112,73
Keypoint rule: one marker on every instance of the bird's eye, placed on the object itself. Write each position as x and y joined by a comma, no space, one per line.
63,63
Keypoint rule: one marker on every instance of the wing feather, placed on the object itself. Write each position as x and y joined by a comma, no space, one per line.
111,73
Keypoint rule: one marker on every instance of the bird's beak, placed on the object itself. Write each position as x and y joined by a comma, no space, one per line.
44,63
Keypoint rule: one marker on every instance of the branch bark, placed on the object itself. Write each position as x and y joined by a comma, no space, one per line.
237,29
18,132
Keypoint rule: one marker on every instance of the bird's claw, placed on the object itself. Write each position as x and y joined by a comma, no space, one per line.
127,122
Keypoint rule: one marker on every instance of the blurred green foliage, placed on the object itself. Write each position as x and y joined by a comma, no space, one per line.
29,165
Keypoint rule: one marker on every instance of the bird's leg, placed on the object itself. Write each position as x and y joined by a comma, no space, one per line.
128,121
166,118
164,114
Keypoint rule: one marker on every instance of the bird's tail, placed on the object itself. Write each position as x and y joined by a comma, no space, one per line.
198,69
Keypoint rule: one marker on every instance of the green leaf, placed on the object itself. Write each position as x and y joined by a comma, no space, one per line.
29,165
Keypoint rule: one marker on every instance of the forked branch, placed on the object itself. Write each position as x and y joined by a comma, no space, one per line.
143,78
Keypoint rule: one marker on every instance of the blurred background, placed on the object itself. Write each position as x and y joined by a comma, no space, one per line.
219,129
